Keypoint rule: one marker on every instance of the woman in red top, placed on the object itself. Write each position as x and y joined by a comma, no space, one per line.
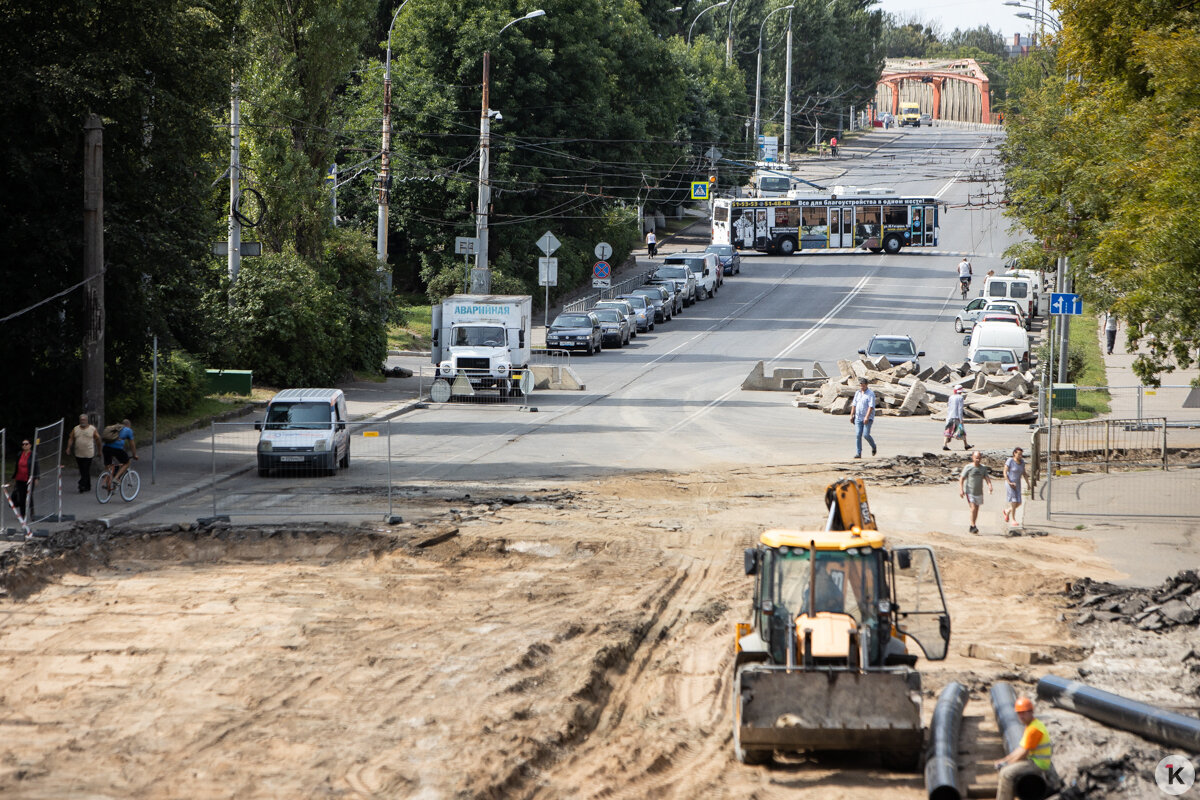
24,478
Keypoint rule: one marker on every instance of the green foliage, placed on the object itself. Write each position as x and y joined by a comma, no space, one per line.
287,324
1104,171
181,384
351,267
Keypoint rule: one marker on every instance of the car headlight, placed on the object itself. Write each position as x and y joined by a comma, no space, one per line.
320,445
446,368
502,368
264,446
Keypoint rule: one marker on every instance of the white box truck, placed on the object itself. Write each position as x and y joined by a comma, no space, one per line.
482,342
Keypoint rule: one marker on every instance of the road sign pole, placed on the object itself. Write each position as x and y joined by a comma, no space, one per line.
546,310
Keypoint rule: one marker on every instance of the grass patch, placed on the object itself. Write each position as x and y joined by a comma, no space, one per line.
1085,342
415,332
171,425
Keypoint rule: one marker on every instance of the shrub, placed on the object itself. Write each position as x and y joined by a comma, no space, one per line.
286,323
181,383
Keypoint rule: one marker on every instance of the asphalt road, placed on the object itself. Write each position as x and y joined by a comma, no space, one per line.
672,399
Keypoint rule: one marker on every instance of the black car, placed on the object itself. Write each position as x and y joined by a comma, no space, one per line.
575,331
728,257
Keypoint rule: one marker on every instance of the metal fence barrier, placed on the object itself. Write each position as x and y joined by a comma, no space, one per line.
469,387
1114,467
304,472
624,287
42,498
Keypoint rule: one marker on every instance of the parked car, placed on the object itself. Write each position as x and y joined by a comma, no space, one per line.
1002,355
967,318
681,277
304,429
927,119
1008,307
657,296
992,335
614,327
575,331
642,308
728,257
1000,316
673,297
897,347
704,266
626,309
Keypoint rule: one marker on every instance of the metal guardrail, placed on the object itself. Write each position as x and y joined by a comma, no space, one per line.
624,287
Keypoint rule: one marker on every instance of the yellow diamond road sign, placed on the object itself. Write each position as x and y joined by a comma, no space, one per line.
699,190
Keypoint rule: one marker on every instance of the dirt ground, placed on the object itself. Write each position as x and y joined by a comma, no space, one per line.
503,642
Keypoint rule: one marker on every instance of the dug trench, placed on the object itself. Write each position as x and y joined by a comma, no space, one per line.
504,642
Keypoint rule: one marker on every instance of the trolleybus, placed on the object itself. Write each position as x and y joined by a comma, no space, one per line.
874,219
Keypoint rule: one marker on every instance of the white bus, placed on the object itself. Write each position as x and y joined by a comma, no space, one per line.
874,219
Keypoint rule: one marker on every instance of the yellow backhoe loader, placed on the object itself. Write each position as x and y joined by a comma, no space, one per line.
824,664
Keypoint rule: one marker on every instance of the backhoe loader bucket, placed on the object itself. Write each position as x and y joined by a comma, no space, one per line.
822,709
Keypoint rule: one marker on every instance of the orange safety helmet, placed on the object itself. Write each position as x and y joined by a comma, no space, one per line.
1023,704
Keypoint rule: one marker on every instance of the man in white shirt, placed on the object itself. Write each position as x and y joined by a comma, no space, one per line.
862,414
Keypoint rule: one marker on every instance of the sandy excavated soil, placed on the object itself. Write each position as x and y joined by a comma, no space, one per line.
527,643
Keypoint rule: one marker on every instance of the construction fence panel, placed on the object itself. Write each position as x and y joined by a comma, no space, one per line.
1115,467
471,387
45,499
4,479
300,474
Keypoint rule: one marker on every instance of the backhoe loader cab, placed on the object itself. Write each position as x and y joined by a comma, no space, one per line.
825,663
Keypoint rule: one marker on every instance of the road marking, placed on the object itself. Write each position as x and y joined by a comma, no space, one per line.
954,180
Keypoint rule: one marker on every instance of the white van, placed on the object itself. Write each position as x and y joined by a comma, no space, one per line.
304,429
1001,336
1014,288
704,266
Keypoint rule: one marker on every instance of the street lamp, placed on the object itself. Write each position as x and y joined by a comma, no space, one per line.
729,35
1053,23
758,80
481,279
386,149
701,14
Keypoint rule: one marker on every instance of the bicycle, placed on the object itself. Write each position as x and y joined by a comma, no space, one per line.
129,485
965,285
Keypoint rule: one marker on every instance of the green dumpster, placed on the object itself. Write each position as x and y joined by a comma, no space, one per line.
229,381
1062,396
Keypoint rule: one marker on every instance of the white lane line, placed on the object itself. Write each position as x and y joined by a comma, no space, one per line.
799,340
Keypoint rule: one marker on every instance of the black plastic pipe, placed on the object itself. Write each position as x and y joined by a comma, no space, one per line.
1030,786
941,768
1152,722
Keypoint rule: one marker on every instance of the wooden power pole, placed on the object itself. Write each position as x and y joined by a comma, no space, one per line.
93,268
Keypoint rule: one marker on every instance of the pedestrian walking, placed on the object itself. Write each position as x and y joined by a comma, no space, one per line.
651,244
970,486
833,146
862,414
1030,757
1014,472
1110,330
24,479
84,443
954,419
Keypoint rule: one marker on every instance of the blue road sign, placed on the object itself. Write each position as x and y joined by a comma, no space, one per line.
1064,303
602,270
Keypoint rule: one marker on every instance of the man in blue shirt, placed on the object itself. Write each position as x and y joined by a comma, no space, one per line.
862,414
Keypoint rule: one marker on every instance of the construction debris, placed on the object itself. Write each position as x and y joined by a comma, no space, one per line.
1176,602
992,395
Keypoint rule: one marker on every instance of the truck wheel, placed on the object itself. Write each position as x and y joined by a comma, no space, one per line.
346,458
786,246
892,244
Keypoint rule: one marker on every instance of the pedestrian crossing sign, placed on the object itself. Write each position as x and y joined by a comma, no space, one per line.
699,190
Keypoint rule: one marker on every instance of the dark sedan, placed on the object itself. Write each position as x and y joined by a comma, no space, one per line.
728,257
575,332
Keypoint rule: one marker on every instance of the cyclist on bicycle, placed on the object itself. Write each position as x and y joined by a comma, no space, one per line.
118,452
964,275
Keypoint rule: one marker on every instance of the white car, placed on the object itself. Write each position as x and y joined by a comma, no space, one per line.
704,266
1002,355
967,318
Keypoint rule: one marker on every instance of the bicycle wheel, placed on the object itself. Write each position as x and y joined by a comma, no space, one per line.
104,493
131,482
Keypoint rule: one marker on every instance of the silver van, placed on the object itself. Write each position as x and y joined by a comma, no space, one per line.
304,429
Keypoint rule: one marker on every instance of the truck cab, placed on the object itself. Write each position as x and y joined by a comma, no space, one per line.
483,342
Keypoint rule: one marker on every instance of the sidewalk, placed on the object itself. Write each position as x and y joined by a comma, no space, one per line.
1163,402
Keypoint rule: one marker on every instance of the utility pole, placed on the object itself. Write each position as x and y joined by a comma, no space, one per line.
787,99
385,159
481,278
235,181
93,268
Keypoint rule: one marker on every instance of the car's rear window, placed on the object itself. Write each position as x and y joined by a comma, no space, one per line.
1003,356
